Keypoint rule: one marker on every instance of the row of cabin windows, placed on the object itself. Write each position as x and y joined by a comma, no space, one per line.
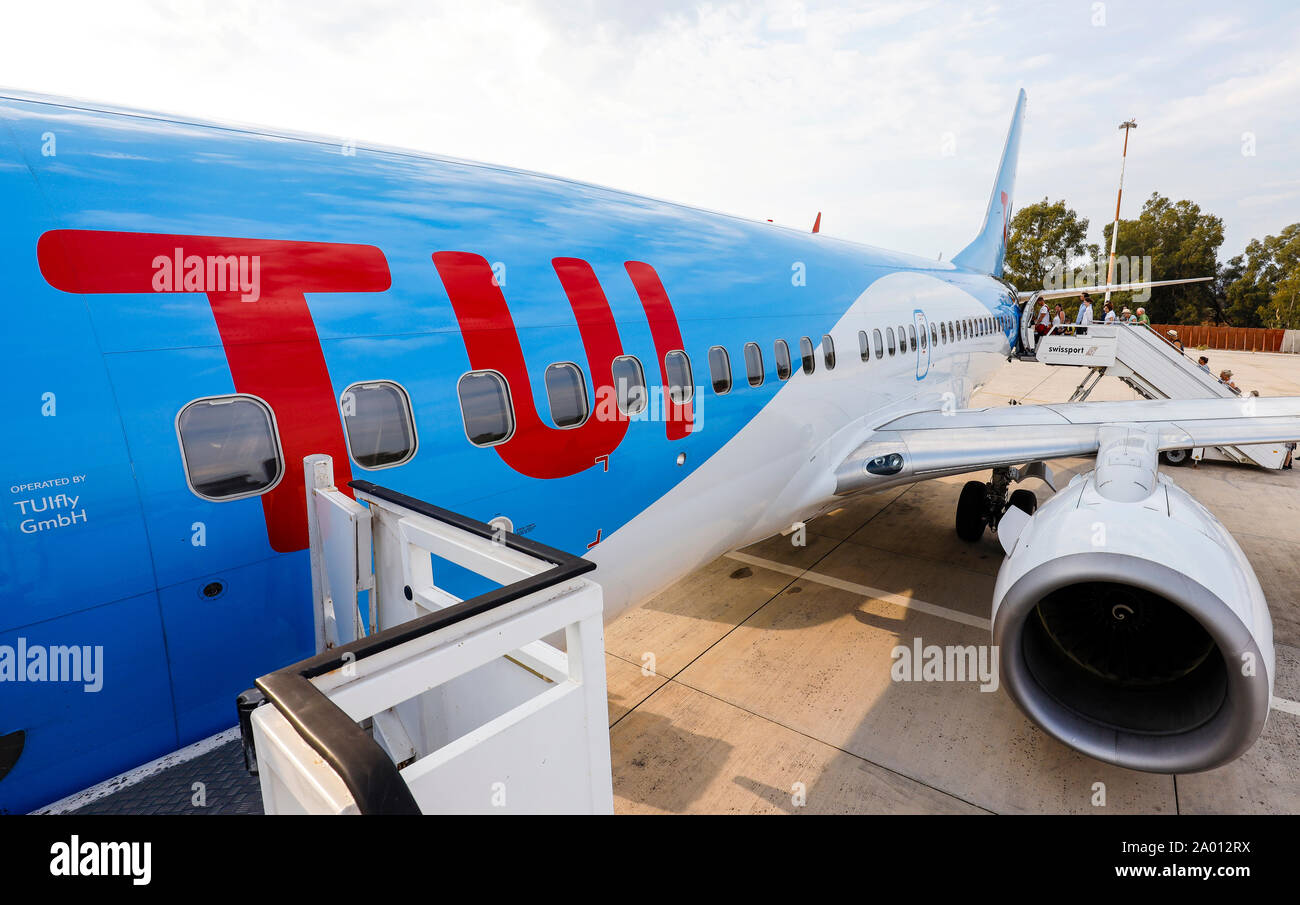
489,415
230,445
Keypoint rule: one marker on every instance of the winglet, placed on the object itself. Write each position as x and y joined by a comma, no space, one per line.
817,224
987,251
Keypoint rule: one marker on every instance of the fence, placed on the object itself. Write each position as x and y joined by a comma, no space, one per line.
1247,339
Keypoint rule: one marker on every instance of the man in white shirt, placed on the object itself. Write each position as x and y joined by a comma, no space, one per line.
1042,325
1084,317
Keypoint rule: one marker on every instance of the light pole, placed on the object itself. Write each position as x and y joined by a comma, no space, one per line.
1114,230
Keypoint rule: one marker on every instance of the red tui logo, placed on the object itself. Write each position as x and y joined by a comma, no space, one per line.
274,352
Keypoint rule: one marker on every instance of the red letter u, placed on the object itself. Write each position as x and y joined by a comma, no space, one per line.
536,449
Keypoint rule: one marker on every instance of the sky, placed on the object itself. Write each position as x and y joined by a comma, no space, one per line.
887,117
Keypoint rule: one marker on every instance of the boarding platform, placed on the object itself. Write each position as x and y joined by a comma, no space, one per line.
420,701
1148,363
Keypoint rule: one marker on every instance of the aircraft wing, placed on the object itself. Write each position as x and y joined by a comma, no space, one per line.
1101,290
936,443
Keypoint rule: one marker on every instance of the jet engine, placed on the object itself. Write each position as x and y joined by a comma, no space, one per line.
1130,625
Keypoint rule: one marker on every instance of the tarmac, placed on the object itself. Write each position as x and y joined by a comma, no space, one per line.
761,683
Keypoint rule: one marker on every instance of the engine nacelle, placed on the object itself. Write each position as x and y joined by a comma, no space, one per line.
1131,626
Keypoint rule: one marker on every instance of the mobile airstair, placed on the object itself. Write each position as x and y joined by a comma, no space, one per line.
1149,363
421,702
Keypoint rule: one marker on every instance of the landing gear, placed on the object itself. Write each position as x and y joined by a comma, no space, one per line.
971,514
1024,500
1176,457
983,504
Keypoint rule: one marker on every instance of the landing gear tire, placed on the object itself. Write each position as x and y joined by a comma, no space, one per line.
1025,500
1176,457
971,518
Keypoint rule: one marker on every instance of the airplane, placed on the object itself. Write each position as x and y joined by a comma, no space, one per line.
193,308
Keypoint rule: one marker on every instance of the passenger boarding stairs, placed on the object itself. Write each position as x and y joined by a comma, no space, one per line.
1147,362
429,703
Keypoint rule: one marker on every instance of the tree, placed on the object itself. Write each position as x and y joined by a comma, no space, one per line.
1043,236
1261,288
1182,242
1239,297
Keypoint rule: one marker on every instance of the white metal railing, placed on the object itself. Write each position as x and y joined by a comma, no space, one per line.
445,705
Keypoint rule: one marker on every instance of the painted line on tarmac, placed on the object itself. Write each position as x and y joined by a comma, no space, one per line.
852,587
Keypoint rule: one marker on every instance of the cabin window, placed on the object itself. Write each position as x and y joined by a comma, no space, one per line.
629,385
889,335
880,343
782,351
485,408
934,335
911,333
828,351
754,364
864,346
566,390
378,422
681,383
720,370
229,447
806,354
923,338
943,333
